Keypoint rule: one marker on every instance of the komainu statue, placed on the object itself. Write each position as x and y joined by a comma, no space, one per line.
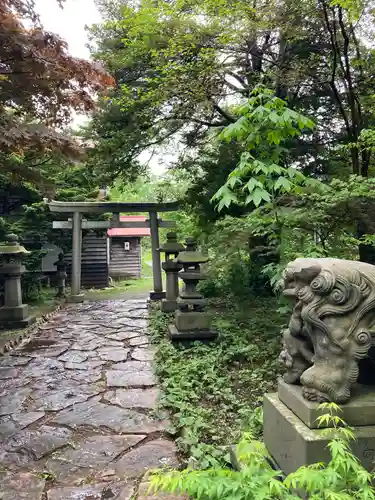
332,326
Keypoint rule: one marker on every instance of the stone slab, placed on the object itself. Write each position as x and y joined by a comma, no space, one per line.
21,486
151,455
103,491
139,341
115,354
359,411
175,334
100,415
73,356
118,378
292,444
14,361
143,354
133,398
26,446
12,402
58,400
89,455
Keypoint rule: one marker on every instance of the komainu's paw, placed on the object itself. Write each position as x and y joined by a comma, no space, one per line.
314,395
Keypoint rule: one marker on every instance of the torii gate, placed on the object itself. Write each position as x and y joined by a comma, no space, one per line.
77,224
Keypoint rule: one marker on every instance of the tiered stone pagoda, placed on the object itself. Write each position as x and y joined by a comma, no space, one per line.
171,266
13,314
192,322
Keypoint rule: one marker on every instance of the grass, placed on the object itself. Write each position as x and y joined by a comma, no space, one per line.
122,288
213,391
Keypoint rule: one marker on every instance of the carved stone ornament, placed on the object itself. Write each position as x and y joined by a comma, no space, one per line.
332,326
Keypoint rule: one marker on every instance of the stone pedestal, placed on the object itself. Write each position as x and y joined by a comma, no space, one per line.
13,314
171,268
291,432
191,320
61,275
171,248
156,295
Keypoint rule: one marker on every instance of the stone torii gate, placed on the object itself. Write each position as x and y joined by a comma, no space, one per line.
77,224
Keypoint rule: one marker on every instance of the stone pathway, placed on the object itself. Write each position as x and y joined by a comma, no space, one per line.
77,408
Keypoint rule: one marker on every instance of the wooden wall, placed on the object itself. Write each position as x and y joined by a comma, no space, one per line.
125,263
94,264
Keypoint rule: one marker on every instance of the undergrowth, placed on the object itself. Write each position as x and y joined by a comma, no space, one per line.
342,478
214,391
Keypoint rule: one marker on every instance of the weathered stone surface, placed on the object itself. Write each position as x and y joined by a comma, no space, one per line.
42,368
292,444
89,455
88,377
73,356
359,411
104,491
8,373
24,419
133,366
133,398
85,365
118,378
143,354
138,341
123,335
48,351
98,415
63,398
13,402
334,301
21,486
151,455
26,446
114,354
13,361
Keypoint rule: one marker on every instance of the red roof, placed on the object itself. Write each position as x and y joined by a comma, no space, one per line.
130,231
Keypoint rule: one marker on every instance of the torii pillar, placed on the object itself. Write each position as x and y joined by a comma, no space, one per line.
157,293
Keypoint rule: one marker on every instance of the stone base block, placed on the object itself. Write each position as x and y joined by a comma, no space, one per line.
358,412
17,324
16,313
175,334
168,306
76,299
292,444
157,295
192,320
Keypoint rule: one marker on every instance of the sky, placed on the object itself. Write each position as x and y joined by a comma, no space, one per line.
70,23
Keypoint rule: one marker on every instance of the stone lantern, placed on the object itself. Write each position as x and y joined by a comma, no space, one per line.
171,248
191,320
13,314
61,275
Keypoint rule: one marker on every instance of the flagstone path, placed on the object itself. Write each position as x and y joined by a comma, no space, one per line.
77,408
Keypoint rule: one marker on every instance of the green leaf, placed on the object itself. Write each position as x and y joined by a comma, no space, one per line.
283,184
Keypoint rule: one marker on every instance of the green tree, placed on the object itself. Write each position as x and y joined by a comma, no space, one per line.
181,65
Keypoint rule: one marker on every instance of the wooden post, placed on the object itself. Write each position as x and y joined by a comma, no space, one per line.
157,293
76,295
